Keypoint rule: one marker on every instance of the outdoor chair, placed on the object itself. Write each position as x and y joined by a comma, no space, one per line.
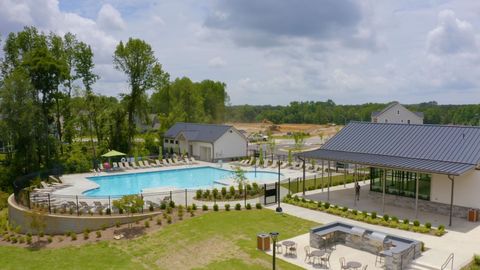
279,247
126,165
308,254
325,259
365,267
165,162
343,265
171,161
293,249
120,165
115,166
159,164
134,165
193,160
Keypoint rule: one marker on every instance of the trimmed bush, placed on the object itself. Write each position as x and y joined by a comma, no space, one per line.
227,207
215,193
344,209
248,207
386,217
151,208
406,221
416,223
326,205
428,225
476,259
205,207
232,191
159,221
147,224
215,207
395,219
198,194
29,239
73,236
85,235
258,205
224,191
355,212
163,205
238,207
373,215
49,239
169,209
171,204
441,227
194,207
169,219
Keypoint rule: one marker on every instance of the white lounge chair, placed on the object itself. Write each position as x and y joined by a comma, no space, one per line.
165,162
193,160
158,163
134,165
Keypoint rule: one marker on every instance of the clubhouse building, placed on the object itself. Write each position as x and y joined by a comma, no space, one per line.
434,168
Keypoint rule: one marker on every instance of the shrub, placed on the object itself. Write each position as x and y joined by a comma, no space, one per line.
354,211
238,206
215,193
151,208
406,221
73,236
476,259
441,227
60,239
395,219
258,205
344,209
295,198
416,223
85,235
373,215
304,200
386,217
428,225
206,194
326,205
169,219
194,207
90,212
117,224
163,205
240,188
99,234
215,207
49,239
21,240
169,209
198,194
248,207
171,204
227,207
147,224
165,214
159,221
108,211
120,211
232,191
255,188
224,191
205,207
41,234
13,239
29,239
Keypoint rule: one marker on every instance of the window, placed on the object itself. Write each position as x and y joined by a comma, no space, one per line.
398,112
408,121
402,120
375,120
400,183
171,141
176,142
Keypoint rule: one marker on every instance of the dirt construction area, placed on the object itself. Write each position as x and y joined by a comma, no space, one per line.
286,129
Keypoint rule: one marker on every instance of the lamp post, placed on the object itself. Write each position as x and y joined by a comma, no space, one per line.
279,209
274,236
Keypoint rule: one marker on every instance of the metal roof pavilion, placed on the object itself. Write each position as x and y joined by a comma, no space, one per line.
439,149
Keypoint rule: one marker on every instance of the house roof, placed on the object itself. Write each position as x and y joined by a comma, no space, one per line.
197,132
425,148
391,105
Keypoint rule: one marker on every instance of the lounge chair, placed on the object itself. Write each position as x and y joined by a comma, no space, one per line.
193,160
165,162
171,161
98,205
115,166
134,165
120,165
147,164
179,162
158,163
274,164
85,205
284,165
187,161
100,167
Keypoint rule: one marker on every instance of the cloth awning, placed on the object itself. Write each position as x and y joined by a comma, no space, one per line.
391,162
113,153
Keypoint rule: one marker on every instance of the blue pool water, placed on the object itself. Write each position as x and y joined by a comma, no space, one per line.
202,177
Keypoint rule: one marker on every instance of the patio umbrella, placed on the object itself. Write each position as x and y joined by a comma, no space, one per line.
112,153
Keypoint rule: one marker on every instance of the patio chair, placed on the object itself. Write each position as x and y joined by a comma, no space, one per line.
127,166
98,205
171,161
165,162
308,254
134,165
187,161
147,164
284,165
193,160
100,167
159,163
120,165
115,166
293,250
85,206
279,247
343,264
179,162
365,267
325,259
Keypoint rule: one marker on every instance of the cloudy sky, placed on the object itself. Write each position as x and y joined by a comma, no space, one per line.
277,51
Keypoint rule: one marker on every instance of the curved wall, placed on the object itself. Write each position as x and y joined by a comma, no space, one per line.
60,224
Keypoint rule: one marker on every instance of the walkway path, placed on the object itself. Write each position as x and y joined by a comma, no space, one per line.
462,244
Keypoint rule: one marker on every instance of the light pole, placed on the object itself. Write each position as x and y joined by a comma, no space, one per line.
279,209
274,236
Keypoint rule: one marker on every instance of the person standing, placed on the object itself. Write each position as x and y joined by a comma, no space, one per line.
357,191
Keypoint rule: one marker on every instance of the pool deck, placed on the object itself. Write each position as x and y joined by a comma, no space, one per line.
80,183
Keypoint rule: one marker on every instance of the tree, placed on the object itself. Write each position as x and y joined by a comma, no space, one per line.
37,220
137,60
290,158
299,138
239,176
271,145
131,204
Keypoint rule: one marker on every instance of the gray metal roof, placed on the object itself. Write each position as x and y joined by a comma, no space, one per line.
197,132
427,148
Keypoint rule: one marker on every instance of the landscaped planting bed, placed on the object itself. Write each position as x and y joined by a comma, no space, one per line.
230,194
371,218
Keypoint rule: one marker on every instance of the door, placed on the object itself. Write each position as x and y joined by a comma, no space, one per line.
205,153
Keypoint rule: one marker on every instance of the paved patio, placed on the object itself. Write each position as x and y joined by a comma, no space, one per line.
350,254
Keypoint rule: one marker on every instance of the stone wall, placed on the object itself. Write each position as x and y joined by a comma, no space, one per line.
427,206
60,224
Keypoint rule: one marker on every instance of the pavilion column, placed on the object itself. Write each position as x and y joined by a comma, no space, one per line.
344,175
355,186
452,178
416,195
383,190
329,180
323,171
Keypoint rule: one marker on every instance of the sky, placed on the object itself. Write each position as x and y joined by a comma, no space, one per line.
278,51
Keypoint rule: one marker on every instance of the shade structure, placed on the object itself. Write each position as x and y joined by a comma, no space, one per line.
113,153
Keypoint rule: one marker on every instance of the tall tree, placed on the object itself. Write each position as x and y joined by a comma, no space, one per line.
137,60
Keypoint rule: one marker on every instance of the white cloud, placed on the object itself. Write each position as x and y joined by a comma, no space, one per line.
451,35
216,62
110,19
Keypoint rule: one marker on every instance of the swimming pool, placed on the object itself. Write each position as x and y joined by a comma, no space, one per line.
201,177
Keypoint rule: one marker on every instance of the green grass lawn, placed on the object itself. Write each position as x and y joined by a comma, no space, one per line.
217,240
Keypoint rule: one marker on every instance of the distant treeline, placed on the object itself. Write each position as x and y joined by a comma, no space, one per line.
320,112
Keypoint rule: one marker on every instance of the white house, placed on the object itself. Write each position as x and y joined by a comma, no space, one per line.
208,142
395,113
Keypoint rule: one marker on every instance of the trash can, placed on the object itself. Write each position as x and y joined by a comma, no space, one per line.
263,241
472,215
